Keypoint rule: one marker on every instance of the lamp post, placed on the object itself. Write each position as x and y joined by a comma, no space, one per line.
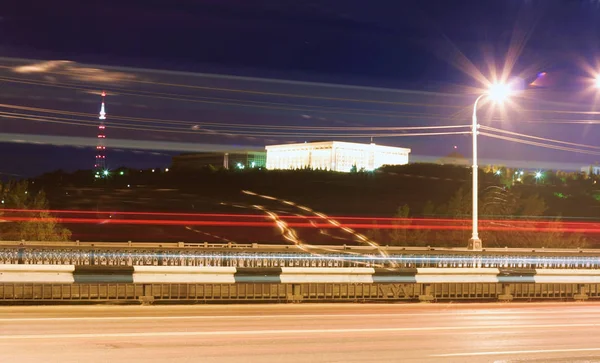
497,92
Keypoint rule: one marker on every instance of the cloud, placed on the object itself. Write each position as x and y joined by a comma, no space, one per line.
43,67
74,71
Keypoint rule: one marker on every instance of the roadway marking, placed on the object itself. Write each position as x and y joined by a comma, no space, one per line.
282,316
471,354
280,332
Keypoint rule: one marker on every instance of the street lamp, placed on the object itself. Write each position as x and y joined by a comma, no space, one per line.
497,92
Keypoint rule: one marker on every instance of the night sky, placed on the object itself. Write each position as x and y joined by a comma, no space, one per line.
395,63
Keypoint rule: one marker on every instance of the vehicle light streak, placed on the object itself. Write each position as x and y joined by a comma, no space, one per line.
334,219
486,225
361,238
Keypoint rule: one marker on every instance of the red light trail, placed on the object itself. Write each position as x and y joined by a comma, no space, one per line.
295,217
409,224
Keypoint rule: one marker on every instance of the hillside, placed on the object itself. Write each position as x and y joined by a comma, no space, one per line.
422,189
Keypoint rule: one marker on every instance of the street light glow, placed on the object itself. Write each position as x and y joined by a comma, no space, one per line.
499,92
538,174
597,82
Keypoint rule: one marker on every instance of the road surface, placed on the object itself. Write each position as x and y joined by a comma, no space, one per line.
549,332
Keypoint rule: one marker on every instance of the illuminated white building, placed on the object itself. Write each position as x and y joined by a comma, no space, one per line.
334,155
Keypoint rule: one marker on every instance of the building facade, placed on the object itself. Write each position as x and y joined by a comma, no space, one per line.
233,160
334,155
591,169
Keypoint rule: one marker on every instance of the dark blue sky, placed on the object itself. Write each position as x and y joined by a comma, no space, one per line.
408,45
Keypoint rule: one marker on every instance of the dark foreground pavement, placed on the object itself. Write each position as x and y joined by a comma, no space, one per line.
549,332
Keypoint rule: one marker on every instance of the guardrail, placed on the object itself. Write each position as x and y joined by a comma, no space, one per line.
295,275
184,283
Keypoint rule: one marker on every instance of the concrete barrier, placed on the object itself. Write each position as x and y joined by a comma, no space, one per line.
59,274
292,275
399,275
509,275
183,274
456,275
103,274
258,275
567,276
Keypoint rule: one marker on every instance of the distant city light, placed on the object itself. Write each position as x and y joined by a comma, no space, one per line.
538,174
167,170
121,172
105,172
498,172
153,170
252,164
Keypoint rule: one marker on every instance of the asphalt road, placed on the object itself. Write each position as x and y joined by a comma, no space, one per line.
550,332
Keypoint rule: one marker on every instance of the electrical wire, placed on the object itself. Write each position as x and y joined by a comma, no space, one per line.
235,125
223,101
538,138
556,121
534,143
57,120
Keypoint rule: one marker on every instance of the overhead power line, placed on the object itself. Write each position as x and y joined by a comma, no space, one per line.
231,101
539,138
540,144
316,133
227,124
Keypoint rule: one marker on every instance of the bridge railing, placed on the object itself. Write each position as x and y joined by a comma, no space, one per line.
256,247
249,258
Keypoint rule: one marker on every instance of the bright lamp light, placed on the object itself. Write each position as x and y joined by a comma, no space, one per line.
499,92
597,82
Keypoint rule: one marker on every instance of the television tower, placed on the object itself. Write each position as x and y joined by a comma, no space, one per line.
100,165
